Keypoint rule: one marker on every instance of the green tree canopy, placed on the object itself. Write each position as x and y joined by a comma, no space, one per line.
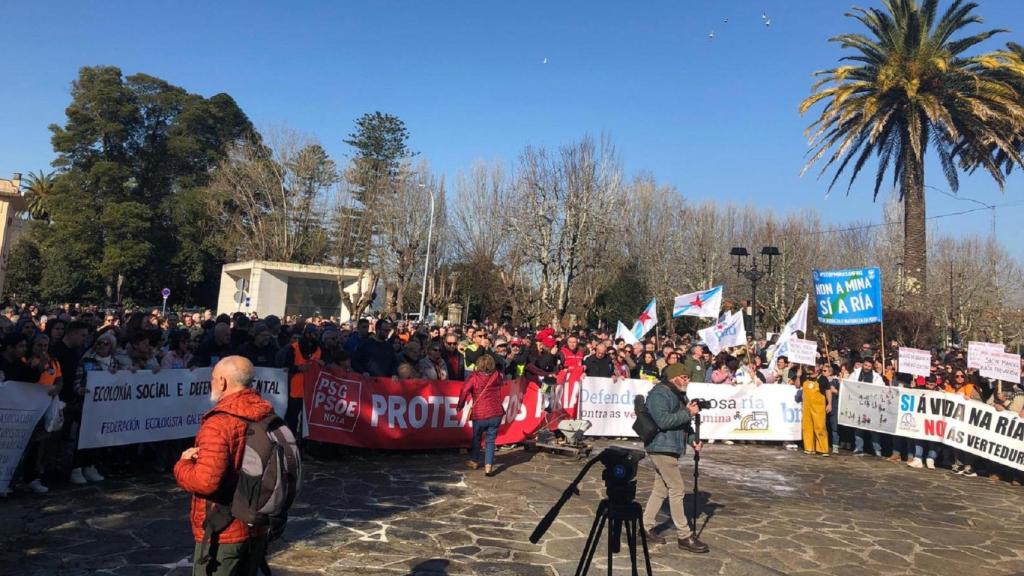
133,157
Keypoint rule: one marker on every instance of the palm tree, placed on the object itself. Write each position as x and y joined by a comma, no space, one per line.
907,86
37,191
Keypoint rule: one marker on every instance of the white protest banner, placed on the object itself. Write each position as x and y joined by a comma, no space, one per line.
1003,366
749,412
765,412
915,362
935,416
127,408
868,406
21,407
803,351
608,404
978,352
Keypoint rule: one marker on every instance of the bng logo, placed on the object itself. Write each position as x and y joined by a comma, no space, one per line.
757,420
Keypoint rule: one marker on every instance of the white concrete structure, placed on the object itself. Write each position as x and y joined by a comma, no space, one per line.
285,289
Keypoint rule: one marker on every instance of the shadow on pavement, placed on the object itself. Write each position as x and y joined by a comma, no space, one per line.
707,509
505,461
433,567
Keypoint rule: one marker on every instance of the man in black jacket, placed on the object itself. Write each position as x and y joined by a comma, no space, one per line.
376,356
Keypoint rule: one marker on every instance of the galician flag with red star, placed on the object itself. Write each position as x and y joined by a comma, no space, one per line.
647,319
704,304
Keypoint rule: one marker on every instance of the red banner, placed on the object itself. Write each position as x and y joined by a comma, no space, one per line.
347,408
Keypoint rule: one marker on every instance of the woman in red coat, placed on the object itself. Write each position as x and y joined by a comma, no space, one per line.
484,387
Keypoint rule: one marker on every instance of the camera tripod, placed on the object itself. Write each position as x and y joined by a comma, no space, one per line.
617,517
618,511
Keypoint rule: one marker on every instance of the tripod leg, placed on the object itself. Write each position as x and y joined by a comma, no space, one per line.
647,554
611,546
631,543
592,539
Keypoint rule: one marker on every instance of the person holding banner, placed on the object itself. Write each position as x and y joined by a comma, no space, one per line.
926,449
816,396
963,462
865,372
50,376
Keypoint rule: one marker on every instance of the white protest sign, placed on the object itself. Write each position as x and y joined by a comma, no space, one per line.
977,352
21,407
1003,366
803,351
935,416
127,408
738,412
915,362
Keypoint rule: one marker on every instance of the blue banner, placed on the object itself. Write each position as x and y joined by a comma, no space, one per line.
848,297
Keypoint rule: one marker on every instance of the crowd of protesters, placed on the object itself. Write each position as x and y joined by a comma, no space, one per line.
59,347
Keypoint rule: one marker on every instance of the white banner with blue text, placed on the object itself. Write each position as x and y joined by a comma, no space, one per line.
130,408
748,412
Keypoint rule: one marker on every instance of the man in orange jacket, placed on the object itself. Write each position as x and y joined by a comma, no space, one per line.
209,471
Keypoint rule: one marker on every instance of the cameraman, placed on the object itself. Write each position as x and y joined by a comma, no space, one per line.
670,410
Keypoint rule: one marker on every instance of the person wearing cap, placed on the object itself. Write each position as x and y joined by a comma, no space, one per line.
543,366
517,359
672,413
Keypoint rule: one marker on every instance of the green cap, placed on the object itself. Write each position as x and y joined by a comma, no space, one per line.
673,371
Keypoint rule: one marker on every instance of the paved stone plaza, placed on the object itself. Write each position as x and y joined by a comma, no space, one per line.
769,511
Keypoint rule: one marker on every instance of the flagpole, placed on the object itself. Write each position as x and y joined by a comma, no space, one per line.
881,331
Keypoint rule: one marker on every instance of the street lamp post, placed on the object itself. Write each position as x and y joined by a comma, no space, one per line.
426,263
754,272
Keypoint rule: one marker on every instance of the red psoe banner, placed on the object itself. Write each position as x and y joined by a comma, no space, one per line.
349,409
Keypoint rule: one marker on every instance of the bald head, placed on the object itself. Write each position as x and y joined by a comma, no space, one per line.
230,375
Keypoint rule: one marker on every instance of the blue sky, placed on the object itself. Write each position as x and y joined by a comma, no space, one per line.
716,118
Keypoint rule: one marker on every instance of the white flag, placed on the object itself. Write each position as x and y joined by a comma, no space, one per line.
797,323
726,333
625,333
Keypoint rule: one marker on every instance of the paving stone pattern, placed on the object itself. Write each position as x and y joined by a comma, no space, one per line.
768,511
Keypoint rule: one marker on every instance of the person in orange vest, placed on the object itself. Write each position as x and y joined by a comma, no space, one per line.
299,357
963,462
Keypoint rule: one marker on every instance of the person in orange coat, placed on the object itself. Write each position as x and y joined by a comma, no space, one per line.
209,471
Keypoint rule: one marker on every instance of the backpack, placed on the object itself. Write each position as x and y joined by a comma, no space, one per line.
644,425
268,481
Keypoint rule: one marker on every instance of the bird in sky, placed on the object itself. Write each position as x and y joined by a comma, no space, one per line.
545,60
712,35
768,22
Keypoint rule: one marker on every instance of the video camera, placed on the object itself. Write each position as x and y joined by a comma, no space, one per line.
702,403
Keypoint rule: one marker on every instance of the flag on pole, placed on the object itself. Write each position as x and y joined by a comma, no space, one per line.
798,323
647,319
728,332
704,304
625,333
